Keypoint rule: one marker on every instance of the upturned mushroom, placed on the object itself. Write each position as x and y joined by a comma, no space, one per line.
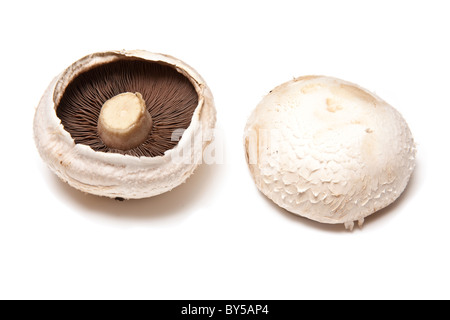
328,150
112,123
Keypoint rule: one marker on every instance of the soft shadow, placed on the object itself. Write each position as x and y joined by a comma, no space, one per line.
172,203
394,207
339,228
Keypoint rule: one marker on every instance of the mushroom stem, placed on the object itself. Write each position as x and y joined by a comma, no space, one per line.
124,122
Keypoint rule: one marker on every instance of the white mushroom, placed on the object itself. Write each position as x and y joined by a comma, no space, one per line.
113,123
328,150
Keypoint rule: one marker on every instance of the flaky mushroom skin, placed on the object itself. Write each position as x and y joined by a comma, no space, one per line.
328,150
112,174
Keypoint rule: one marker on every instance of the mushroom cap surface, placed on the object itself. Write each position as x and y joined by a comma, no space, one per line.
113,174
328,150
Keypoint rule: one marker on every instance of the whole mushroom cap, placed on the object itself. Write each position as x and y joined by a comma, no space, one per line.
64,121
328,150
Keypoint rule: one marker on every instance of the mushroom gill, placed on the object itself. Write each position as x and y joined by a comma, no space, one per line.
169,97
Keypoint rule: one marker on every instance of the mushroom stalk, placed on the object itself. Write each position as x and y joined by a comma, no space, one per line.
124,122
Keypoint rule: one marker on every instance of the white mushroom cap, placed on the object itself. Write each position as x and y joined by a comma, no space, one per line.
328,150
113,174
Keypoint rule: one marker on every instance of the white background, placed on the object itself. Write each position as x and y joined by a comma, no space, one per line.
217,237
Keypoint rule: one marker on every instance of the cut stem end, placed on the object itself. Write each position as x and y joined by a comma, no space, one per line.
124,122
